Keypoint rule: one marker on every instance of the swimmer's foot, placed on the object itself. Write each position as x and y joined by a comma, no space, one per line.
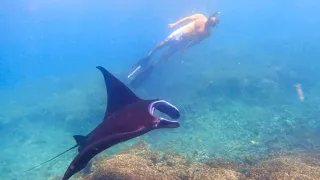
141,77
140,65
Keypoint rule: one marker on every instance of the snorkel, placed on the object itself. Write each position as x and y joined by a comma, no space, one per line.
211,22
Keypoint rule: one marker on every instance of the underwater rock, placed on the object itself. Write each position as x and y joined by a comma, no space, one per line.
141,163
223,163
298,165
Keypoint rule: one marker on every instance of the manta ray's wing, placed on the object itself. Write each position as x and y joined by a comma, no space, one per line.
119,95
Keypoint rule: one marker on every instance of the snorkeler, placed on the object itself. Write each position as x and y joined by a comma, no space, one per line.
183,38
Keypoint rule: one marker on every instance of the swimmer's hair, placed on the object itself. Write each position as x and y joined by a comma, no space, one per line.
213,23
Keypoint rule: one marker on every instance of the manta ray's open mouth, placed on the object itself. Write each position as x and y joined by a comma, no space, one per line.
166,108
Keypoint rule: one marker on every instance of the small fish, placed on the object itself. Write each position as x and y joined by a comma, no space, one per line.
299,91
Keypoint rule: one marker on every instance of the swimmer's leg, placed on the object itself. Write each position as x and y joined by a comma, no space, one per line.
144,62
173,38
158,47
145,73
172,50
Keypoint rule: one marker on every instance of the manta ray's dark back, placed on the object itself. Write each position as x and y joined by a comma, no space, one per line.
126,117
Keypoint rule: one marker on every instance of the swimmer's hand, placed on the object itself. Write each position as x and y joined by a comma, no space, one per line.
172,25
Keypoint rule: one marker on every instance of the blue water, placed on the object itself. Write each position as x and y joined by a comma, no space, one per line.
235,90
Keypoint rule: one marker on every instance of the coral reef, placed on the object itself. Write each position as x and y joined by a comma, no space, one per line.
287,165
141,163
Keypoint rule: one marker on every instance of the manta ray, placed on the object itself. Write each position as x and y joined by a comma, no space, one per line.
127,116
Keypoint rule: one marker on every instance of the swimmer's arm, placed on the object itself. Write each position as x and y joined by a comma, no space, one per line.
189,18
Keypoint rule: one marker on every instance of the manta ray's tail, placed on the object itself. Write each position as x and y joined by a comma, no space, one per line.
53,158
